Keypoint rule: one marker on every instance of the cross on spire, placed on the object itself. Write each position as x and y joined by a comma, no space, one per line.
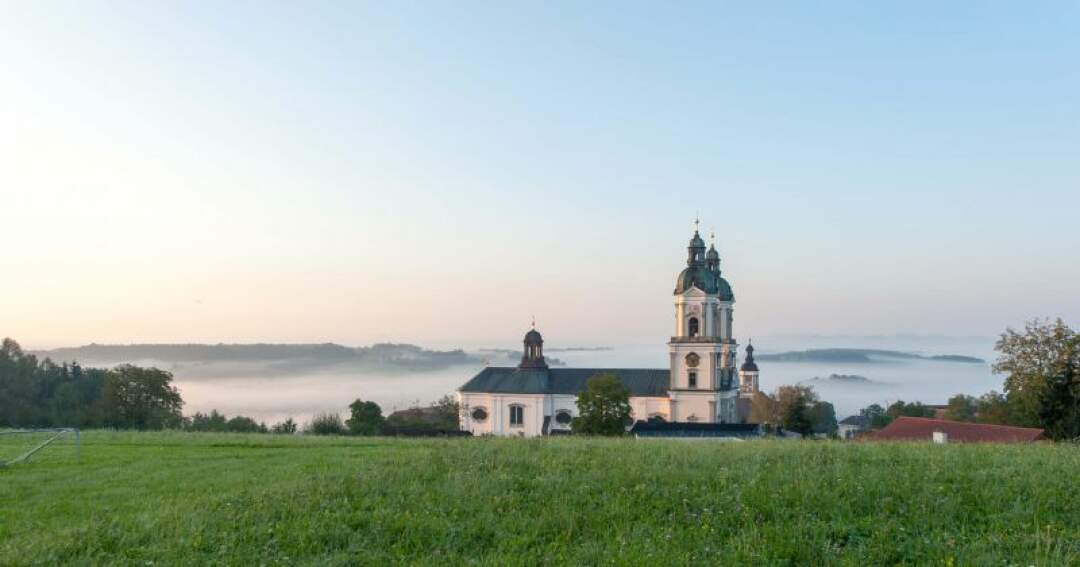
697,221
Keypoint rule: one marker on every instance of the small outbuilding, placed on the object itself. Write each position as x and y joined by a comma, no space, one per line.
946,431
851,426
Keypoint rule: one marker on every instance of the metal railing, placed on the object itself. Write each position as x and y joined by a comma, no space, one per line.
701,339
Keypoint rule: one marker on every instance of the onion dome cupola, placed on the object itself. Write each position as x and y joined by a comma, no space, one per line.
534,351
749,365
712,261
696,274
712,258
696,251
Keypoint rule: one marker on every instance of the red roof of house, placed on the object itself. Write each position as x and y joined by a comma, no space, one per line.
923,428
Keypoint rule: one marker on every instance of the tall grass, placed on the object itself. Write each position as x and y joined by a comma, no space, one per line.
174,498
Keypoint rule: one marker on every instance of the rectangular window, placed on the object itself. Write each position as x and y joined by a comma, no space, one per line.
517,416
693,379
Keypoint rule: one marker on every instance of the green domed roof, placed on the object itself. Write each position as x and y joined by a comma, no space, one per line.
703,271
706,280
696,276
723,289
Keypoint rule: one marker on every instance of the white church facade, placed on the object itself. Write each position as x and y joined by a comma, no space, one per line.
700,385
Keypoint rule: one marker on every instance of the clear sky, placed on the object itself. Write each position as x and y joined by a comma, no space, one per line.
438,172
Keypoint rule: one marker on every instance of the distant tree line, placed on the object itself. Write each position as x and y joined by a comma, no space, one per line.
41,393
378,356
218,423
365,419
878,416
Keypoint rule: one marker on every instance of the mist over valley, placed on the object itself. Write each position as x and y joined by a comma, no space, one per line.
272,382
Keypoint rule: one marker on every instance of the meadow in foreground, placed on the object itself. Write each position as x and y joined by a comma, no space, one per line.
175,498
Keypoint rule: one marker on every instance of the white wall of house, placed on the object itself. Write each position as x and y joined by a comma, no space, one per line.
536,407
845,431
498,409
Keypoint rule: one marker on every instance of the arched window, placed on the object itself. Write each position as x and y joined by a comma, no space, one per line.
692,379
517,416
694,327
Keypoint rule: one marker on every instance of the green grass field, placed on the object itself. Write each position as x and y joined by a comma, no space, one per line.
175,498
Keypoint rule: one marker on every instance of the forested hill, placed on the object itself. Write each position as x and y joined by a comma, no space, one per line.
283,357
379,355
858,355
201,352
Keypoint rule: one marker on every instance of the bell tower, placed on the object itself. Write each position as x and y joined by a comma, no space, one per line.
703,385
748,374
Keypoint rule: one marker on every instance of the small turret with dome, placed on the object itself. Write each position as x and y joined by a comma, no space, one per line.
712,257
712,261
749,365
533,358
748,373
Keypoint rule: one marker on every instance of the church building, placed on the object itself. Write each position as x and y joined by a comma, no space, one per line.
699,386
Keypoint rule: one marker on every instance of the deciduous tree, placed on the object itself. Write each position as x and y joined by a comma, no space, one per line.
141,398
823,418
763,409
875,415
961,408
603,407
992,408
326,424
1030,359
287,427
794,403
1059,409
366,418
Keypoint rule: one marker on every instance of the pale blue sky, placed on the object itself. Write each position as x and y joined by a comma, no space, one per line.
439,171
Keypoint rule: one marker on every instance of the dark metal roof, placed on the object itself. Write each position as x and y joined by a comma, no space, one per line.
749,365
681,429
856,420
571,381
